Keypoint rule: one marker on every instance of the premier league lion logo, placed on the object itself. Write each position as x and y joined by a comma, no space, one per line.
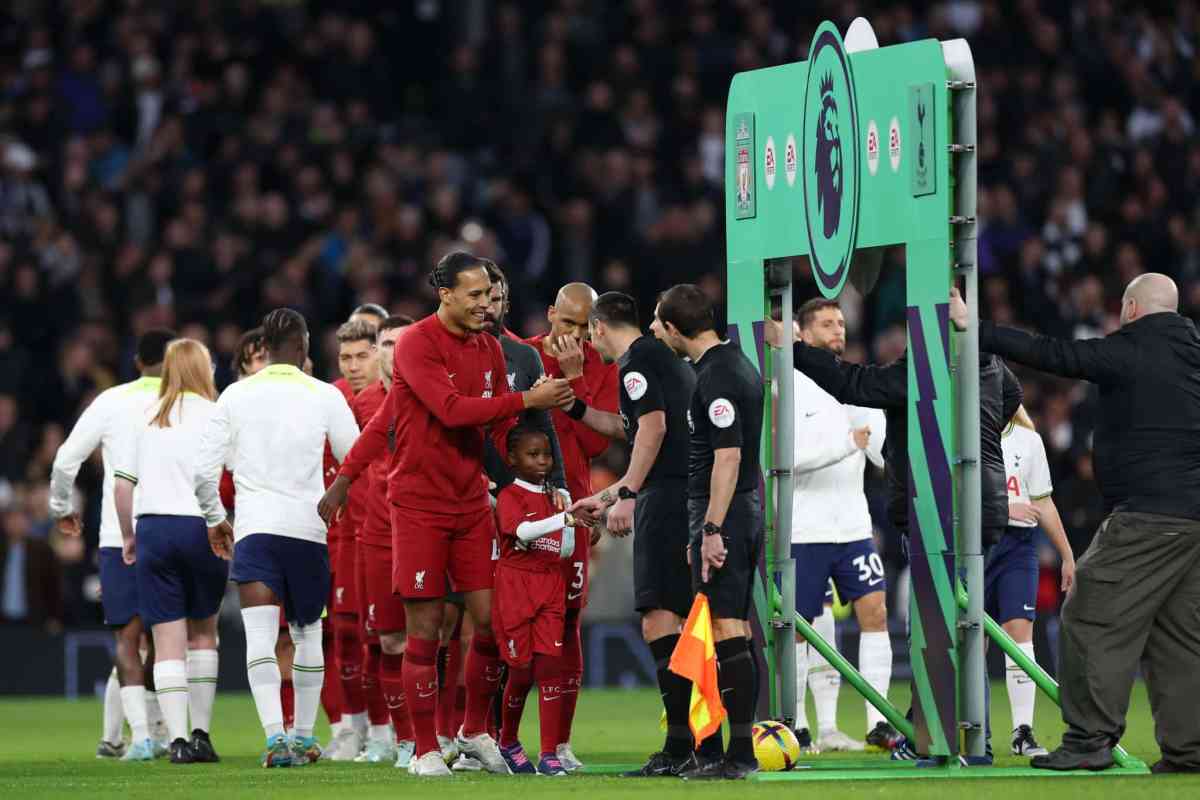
828,165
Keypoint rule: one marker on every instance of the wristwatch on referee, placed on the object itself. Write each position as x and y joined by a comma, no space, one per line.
711,529
625,493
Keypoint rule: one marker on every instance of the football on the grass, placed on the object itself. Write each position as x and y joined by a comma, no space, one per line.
775,746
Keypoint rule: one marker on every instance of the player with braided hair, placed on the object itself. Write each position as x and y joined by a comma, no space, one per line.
449,387
271,429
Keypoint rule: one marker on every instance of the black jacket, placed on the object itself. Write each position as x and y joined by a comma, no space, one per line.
524,368
1146,445
887,388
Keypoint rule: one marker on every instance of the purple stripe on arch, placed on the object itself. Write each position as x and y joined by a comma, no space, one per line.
931,434
943,315
939,641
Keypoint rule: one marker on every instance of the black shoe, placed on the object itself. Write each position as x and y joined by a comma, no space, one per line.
705,771
883,738
1063,760
202,749
804,738
1023,743
181,752
1165,767
660,765
739,770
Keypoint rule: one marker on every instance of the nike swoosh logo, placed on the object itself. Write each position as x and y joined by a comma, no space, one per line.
426,696
1030,608
574,595
877,580
810,414
452,374
558,644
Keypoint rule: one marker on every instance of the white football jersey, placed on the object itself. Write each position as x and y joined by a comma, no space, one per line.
1026,469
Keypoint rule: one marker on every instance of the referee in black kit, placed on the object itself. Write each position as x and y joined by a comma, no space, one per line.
651,500
724,507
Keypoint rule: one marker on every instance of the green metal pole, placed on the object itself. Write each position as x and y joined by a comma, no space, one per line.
1040,677
852,676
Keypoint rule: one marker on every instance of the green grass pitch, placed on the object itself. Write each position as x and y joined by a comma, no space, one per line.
48,744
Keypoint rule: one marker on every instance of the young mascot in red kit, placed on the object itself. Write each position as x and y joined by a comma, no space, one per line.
449,387
529,605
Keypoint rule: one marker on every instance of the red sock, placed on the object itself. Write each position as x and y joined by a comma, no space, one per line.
550,704
420,688
482,678
515,692
391,681
445,700
287,698
570,677
349,661
460,703
331,690
377,708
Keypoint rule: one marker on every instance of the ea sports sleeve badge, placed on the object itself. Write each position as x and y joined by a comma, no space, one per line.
721,413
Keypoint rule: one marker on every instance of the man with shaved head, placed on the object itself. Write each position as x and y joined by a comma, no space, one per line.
567,353
1137,588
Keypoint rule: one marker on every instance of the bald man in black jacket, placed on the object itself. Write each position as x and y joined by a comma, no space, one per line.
1137,588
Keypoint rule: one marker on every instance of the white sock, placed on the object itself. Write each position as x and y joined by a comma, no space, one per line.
202,686
154,715
1021,689
262,668
171,685
114,714
823,679
356,722
381,732
133,701
875,664
308,675
801,684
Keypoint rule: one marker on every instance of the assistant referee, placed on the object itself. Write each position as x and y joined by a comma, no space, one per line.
651,499
724,507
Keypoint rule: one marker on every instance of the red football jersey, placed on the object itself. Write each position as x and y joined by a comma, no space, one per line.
522,502
364,405
446,390
376,524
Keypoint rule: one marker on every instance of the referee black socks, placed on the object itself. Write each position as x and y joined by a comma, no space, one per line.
736,676
676,694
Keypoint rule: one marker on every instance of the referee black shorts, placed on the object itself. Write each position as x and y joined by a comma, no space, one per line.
660,536
730,589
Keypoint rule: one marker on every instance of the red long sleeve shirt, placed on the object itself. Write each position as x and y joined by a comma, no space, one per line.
364,406
446,390
579,443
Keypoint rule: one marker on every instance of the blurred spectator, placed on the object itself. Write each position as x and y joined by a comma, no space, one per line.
30,576
195,164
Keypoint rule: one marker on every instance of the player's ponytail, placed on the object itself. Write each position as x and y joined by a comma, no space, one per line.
282,326
1023,419
445,274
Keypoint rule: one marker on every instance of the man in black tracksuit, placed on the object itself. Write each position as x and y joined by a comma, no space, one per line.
1137,588
524,369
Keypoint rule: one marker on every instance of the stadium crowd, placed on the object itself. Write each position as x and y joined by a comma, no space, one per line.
194,165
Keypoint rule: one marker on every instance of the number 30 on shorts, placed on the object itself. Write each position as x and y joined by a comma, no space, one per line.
868,566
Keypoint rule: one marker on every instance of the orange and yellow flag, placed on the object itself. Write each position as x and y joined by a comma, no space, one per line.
695,658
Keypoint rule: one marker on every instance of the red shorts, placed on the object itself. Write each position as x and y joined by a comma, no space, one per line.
429,547
575,570
345,583
528,611
384,611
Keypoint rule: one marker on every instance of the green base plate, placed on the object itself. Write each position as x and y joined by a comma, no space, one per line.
900,770
846,770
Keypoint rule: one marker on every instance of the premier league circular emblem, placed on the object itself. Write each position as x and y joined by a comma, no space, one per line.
832,164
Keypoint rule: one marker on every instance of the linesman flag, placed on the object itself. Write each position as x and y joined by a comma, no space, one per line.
695,658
